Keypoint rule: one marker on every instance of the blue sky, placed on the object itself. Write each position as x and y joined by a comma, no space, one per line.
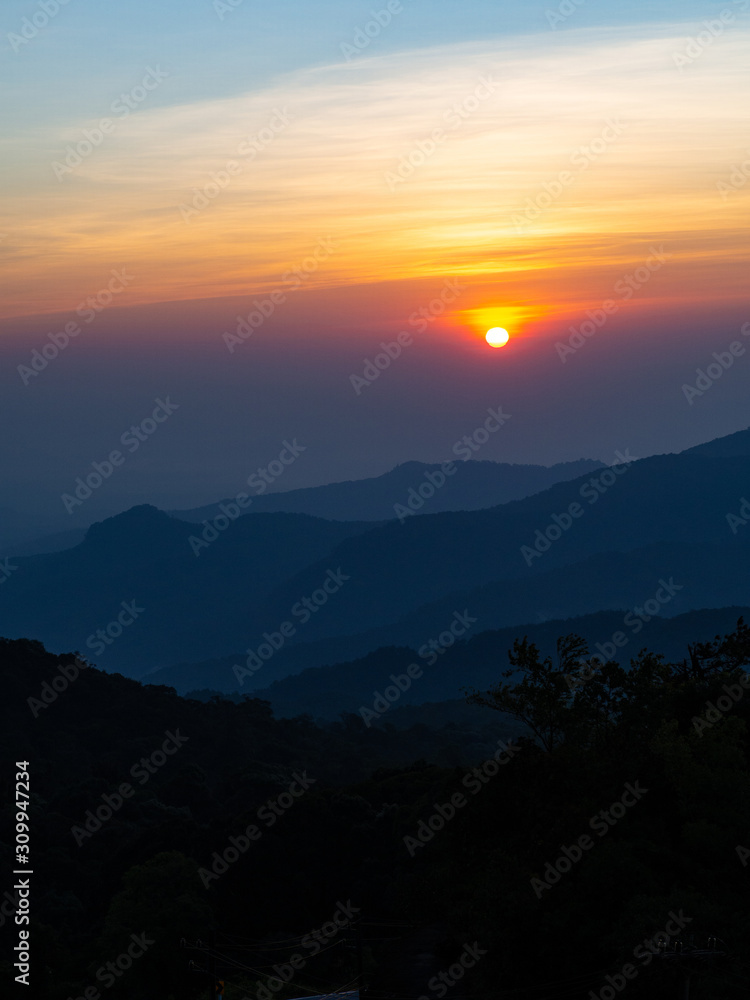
92,50
653,182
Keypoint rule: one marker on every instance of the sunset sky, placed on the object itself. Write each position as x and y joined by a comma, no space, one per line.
213,155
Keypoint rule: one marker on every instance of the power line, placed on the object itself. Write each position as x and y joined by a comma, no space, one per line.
212,954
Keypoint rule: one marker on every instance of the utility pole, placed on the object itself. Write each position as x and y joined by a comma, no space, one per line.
360,962
686,985
216,989
685,958
212,962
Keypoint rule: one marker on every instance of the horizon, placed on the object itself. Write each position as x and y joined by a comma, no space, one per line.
373,376
457,169
96,513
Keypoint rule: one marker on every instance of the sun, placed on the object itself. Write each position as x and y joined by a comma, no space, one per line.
497,337
500,323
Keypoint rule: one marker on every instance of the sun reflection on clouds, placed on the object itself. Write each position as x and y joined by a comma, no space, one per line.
325,175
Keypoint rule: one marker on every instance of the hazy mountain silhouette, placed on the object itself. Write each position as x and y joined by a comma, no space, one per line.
659,517
199,604
325,692
395,568
472,486
707,576
732,446
20,530
57,542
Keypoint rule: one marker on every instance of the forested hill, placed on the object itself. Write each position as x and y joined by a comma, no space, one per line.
557,858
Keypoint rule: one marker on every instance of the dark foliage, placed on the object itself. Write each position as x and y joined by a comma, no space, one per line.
368,830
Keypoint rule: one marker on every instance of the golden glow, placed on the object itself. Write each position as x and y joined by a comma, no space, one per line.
346,173
497,337
504,317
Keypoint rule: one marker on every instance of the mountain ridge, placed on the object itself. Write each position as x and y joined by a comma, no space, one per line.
210,600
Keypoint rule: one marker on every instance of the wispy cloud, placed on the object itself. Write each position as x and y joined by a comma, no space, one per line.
341,168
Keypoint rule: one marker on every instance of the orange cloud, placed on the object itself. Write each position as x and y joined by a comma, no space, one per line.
540,172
